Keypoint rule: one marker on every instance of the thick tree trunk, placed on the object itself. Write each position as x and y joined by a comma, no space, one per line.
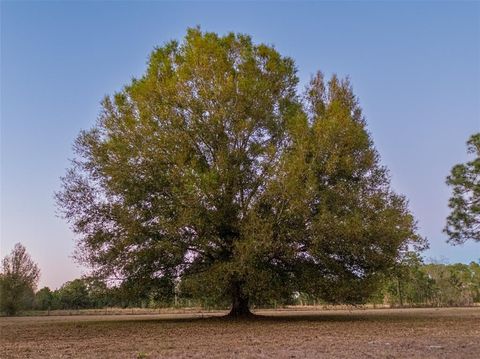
240,305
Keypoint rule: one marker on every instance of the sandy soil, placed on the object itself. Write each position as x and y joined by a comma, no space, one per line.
383,333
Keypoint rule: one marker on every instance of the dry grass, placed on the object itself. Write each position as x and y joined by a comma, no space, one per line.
384,333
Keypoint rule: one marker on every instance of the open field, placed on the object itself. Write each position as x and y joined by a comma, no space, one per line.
382,333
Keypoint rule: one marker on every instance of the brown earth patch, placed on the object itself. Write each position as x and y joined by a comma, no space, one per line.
383,333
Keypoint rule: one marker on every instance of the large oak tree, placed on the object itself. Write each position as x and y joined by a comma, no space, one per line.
213,172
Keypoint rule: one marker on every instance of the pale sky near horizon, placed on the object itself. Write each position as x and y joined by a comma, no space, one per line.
414,66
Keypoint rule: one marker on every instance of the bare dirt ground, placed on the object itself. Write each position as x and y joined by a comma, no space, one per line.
381,333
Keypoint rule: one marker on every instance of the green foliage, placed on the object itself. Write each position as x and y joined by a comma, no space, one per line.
409,283
456,284
44,299
414,283
74,294
18,279
348,227
463,223
98,293
210,174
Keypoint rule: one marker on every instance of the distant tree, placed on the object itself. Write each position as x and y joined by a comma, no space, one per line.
44,299
212,171
74,295
412,282
463,223
18,280
475,281
98,292
408,283
448,288
463,278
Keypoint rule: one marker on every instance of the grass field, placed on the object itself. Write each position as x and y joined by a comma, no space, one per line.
381,333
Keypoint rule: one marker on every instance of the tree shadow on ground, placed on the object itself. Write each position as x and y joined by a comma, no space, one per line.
284,318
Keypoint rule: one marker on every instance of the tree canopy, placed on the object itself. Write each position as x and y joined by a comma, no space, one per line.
463,223
18,280
211,174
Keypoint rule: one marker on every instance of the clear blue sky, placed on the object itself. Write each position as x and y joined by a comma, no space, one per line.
414,66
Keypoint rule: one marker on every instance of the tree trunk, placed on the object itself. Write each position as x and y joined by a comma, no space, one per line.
240,307
400,295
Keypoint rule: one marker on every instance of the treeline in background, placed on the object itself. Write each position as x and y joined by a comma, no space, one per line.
412,283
